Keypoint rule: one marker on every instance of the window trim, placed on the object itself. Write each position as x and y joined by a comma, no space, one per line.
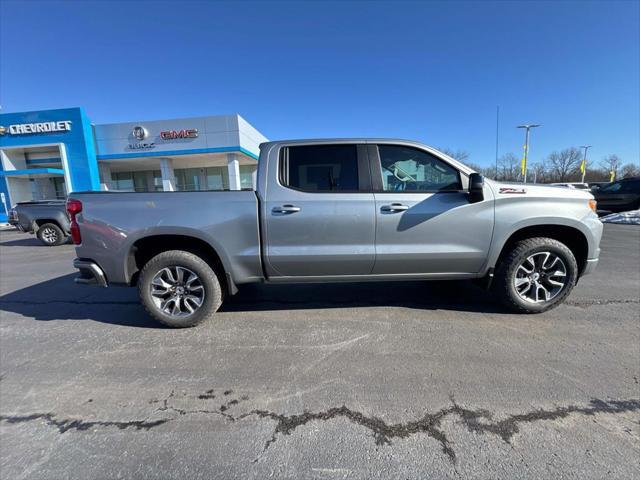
362,164
375,166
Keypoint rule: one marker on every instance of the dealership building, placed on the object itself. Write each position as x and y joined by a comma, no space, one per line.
47,154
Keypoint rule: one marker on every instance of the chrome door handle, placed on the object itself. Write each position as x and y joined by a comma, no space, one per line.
286,209
394,207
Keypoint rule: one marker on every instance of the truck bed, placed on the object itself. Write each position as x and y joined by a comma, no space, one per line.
112,222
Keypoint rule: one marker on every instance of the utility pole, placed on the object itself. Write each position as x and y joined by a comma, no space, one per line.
523,167
497,130
583,165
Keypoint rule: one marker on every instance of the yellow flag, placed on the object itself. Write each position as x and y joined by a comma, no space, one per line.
613,175
523,165
583,166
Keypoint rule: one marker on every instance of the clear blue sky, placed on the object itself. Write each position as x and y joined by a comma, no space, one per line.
431,71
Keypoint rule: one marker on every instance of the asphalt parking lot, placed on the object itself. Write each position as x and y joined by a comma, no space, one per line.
416,380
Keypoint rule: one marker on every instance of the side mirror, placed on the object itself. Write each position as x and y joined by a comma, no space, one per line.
476,188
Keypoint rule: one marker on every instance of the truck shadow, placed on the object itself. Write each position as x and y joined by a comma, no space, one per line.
61,299
462,296
24,242
30,241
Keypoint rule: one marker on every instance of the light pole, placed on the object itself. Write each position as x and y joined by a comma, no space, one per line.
523,168
583,165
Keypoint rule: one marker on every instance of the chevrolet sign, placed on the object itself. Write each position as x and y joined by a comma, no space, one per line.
43,127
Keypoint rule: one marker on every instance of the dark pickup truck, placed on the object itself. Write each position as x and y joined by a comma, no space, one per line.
48,219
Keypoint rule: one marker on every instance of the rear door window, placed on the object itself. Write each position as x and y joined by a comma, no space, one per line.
320,168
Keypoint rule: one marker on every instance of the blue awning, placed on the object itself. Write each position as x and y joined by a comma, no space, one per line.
32,172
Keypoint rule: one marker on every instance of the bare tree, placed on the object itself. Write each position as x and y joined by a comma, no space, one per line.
490,172
460,155
564,163
610,163
508,167
538,172
629,170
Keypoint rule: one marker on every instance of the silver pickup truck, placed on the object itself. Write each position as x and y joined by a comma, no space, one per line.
332,211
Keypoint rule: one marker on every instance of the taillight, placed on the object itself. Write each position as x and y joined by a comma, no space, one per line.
74,207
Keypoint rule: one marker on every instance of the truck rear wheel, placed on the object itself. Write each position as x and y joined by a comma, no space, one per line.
51,235
537,274
179,289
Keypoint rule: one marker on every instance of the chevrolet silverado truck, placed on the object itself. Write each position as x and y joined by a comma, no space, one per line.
334,211
48,219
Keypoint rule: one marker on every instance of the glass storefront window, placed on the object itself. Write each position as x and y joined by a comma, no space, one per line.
58,185
157,181
122,180
142,181
246,176
188,179
217,178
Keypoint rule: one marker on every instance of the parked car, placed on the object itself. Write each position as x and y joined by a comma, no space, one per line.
578,185
47,219
596,185
619,196
338,210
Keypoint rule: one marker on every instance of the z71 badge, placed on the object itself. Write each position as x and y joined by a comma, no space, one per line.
512,190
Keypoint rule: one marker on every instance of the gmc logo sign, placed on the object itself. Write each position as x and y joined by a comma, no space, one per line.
175,134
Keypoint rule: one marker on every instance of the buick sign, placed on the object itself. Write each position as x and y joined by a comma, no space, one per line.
139,133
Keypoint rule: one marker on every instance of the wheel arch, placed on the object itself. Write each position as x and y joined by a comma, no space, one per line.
571,236
145,248
42,221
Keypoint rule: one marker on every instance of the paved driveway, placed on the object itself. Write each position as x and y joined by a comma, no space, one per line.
415,380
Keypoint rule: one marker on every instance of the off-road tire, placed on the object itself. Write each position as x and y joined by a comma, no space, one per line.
213,293
503,283
51,235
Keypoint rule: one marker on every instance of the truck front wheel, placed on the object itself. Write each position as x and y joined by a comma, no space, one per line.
536,274
179,289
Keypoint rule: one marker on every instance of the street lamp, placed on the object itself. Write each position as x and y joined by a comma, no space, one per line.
523,168
583,165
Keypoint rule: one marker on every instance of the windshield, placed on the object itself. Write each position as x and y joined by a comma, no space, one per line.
612,187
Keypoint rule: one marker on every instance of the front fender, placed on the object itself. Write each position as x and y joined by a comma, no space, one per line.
589,226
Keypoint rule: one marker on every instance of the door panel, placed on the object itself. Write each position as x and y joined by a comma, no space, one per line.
331,234
438,233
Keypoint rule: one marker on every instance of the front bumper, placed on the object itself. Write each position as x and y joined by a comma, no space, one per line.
591,264
90,273
590,267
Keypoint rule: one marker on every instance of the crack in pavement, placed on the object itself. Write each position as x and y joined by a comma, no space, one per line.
382,432
66,424
477,421
592,302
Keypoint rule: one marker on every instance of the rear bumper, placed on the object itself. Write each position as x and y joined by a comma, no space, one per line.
90,273
15,223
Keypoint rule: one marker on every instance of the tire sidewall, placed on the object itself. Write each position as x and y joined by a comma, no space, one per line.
208,278
59,235
554,247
